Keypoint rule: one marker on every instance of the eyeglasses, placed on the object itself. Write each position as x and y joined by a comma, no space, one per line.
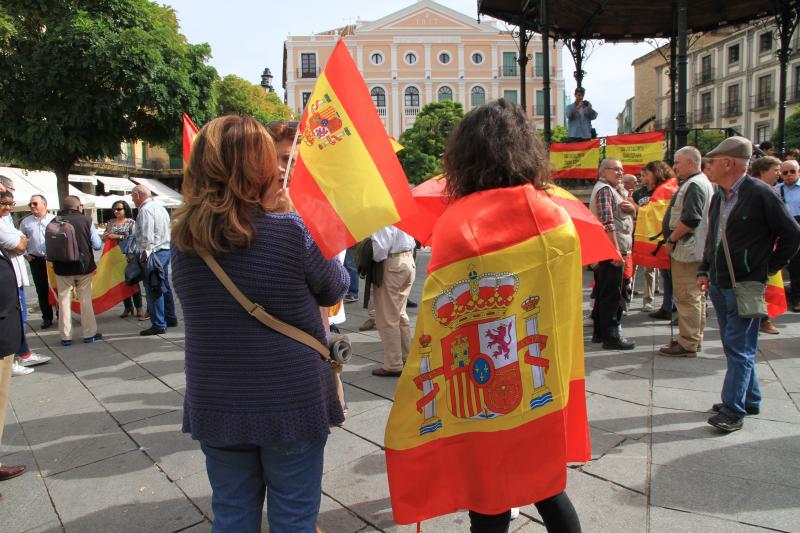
33,204
786,172
8,204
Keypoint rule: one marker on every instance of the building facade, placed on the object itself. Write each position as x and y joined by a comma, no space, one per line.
427,53
732,80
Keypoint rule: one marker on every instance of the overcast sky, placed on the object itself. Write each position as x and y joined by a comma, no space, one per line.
247,35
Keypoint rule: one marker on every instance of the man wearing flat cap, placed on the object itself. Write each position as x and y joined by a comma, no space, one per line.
761,238
579,118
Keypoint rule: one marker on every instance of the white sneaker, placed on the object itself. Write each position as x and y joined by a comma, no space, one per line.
514,513
647,308
33,359
19,370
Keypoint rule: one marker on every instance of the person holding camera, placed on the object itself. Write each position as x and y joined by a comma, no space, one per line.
260,402
580,115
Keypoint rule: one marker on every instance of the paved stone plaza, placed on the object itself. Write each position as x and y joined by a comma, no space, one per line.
99,428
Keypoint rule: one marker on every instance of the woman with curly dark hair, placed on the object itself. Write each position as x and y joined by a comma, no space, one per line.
121,229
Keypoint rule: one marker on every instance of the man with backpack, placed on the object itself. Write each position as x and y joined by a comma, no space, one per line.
70,241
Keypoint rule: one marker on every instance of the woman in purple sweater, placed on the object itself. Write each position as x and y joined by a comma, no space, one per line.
260,403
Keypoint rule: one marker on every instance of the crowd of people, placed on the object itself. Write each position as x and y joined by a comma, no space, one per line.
262,407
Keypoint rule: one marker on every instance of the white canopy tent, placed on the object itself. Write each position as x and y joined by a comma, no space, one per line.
30,182
112,183
167,196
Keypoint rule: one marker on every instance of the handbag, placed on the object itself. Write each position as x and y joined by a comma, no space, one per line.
751,299
133,272
337,354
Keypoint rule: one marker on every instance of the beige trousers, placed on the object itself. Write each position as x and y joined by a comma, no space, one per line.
83,286
691,304
650,284
5,382
390,309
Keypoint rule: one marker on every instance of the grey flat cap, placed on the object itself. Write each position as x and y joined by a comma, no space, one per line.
738,147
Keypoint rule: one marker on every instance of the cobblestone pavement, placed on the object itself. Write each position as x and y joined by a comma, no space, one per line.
99,427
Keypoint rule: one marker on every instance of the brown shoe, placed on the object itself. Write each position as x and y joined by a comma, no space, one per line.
367,325
383,373
768,327
11,471
676,350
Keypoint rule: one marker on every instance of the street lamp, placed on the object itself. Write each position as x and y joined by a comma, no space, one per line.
266,81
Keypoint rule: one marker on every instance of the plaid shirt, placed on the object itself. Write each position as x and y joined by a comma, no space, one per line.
605,207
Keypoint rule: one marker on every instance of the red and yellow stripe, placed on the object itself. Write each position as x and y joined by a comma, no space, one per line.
350,184
636,149
776,296
440,464
575,160
648,225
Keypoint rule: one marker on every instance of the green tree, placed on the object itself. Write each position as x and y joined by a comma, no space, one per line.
557,134
237,96
423,143
77,78
705,140
792,132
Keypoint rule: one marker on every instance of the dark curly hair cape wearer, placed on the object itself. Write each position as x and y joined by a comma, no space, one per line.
493,147
660,170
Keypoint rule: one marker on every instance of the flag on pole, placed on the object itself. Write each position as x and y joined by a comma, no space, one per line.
575,160
348,182
646,250
189,133
635,150
108,281
491,404
775,295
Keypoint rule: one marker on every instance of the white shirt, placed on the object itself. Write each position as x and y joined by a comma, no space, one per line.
34,229
151,232
10,238
390,240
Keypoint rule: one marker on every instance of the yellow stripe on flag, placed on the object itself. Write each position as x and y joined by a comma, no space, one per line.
575,160
359,177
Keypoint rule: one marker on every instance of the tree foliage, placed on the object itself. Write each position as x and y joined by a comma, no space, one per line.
705,140
423,143
240,97
792,139
78,77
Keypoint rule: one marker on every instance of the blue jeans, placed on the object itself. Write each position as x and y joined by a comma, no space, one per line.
668,304
740,343
350,266
290,474
161,306
23,349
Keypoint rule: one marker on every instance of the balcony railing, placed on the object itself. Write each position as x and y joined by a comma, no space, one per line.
704,114
761,102
381,112
793,94
308,72
508,71
730,109
411,111
704,76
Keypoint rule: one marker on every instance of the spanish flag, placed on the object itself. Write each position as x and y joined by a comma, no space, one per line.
189,133
491,404
575,160
348,182
775,295
636,149
647,234
108,281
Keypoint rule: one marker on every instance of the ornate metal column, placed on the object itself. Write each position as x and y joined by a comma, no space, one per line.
544,11
681,127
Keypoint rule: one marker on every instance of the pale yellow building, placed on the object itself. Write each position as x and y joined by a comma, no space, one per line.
425,53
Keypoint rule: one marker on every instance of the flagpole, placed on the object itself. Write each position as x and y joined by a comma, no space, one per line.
291,157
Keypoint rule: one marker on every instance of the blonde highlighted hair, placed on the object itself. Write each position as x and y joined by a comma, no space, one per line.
232,165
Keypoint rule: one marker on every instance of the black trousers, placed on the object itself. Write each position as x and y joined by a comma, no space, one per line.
557,513
608,300
39,271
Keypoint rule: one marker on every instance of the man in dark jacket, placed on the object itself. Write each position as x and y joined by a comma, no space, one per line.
77,274
10,339
761,237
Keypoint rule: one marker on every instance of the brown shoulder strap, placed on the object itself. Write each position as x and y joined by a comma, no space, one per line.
259,313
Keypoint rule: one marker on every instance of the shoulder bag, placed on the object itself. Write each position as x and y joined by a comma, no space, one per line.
750,295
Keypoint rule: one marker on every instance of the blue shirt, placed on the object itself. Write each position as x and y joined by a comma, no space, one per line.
34,229
791,197
579,122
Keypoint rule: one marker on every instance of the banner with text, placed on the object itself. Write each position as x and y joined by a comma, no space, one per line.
575,160
636,149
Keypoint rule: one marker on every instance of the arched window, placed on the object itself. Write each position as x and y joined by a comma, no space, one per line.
378,96
477,96
412,97
445,93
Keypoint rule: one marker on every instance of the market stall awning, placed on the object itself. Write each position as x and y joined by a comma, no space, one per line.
30,182
112,183
167,195
80,178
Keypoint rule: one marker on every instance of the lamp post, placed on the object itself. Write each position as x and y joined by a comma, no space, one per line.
266,81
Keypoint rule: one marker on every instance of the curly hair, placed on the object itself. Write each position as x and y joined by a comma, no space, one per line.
660,170
232,165
126,208
494,146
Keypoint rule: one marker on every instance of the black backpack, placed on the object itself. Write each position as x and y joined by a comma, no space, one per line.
60,242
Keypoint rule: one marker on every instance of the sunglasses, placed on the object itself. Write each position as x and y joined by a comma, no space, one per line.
119,209
8,204
33,204
785,172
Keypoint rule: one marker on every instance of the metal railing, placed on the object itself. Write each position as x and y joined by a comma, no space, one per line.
381,111
411,111
308,72
730,109
761,102
508,71
704,114
704,76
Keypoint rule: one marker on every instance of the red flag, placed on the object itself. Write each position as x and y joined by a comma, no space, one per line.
189,133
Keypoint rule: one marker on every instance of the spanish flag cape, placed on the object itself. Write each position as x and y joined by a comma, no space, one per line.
491,404
108,281
775,295
646,250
